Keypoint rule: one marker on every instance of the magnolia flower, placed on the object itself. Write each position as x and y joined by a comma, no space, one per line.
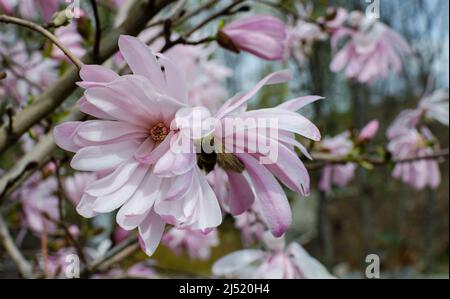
372,49
412,143
197,243
39,204
339,175
147,137
435,106
26,74
150,184
277,262
263,36
301,38
70,37
7,6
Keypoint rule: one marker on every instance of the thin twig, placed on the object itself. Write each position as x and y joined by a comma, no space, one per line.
320,158
98,30
37,28
129,245
183,38
24,267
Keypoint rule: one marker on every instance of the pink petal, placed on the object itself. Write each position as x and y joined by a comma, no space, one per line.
151,231
274,204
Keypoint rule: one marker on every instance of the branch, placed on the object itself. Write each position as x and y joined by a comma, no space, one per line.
98,30
182,39
22,264
139,16
319,159
32,161
117,253
47,34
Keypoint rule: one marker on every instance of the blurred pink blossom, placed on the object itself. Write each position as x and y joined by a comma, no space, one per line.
197,243
371,50
263,36
277,262
369,131
69,36
338,175
251,225
413,143
7,6
39,204
32,9
27,74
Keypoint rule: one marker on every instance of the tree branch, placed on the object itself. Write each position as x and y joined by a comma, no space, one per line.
47,34
319,159
24,267
98,30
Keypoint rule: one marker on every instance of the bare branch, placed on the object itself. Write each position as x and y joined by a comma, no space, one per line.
47,34
24,267
98,30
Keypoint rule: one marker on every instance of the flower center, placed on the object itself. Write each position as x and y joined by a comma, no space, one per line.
159,131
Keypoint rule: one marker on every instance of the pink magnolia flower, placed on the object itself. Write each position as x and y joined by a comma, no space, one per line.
27,74
39,204
435,106
369,131
301,38
197,243
277,262
38,8
70,37
144,118
7,6
339,175
412,143
150,184
372,49
263,36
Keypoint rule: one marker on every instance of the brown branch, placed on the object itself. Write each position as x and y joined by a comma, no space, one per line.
24,267
117,253
98,30
319,159
47,34
183,38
